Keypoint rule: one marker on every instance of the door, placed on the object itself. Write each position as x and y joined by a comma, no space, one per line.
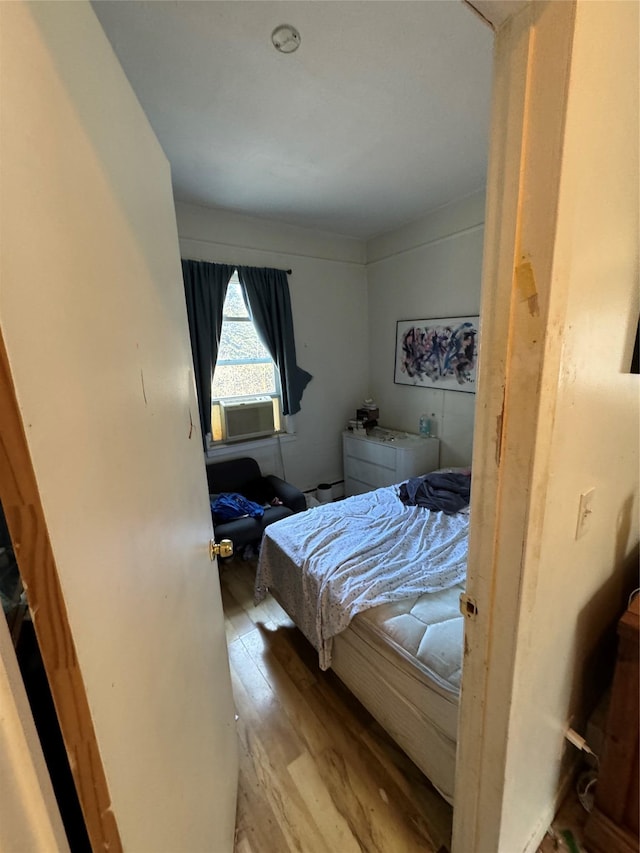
103,477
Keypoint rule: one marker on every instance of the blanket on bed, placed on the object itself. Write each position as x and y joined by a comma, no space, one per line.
447,491
355,554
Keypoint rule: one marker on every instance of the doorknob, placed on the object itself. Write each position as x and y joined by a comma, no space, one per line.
224,548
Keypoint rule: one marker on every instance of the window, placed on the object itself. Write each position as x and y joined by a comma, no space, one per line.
244,369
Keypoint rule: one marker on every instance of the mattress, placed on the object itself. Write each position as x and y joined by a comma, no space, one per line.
403,661
335,561
425,638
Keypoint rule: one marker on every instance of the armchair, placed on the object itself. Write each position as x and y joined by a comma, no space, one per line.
243,476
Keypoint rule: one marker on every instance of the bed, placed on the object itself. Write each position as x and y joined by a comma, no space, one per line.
374,585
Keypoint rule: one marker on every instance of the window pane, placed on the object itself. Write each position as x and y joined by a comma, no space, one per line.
243,380
239,340
233,302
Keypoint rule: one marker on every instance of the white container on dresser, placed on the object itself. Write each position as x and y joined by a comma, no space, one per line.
384,457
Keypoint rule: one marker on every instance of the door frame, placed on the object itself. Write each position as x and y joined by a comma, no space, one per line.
27,525
514,413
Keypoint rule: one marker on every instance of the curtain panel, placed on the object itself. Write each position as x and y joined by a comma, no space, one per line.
205,287
269,305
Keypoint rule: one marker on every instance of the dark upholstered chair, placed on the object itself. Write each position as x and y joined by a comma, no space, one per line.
243,476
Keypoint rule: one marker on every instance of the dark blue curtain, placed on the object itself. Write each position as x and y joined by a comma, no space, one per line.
269,305
205,287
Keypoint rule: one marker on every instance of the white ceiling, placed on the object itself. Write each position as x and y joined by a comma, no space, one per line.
380,116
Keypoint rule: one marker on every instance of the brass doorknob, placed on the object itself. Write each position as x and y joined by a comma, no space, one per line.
224,548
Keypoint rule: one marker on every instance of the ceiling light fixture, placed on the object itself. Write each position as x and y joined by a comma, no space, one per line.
285,38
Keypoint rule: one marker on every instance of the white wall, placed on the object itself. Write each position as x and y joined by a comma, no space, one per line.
329,304
430,268
580,585
345,313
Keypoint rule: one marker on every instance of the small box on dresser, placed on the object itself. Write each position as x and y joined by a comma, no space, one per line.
384,457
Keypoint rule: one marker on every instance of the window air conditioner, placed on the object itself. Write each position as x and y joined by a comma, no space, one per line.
248,419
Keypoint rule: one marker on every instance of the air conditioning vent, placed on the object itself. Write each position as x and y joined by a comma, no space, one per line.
248,419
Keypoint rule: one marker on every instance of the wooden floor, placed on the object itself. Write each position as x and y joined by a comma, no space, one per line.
317,773
566,834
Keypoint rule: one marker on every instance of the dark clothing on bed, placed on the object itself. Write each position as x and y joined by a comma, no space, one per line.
446,493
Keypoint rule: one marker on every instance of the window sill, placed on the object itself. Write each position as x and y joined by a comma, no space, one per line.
221,449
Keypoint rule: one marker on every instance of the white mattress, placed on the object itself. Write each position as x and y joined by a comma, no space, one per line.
403,662
427,631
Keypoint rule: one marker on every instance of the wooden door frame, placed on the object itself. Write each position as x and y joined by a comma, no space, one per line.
531,79
29,533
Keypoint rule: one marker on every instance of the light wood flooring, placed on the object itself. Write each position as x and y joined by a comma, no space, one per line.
317,773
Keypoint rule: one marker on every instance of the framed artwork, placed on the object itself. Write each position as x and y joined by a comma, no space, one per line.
438,353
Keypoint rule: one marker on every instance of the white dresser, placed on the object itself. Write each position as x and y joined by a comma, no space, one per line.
384,457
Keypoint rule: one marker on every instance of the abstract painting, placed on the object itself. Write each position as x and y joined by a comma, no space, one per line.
438,353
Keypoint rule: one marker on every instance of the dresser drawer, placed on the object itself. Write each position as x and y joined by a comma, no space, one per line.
371,464
366,472
371,451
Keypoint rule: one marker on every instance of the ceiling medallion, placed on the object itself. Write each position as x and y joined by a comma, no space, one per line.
285,38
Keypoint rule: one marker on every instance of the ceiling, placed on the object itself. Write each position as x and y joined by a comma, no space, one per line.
381,115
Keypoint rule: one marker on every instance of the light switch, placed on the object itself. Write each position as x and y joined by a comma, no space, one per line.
585,510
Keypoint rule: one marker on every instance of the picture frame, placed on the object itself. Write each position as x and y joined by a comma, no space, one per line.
438,352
